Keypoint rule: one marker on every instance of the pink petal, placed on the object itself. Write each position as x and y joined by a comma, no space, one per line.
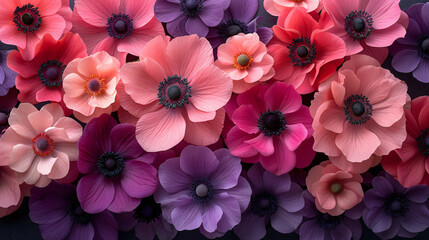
53,24
139,179
281,161
97,12
45,164
95,193
92,36
236,141
21,158
60,168
294,135
347,199
263,144
333,118
391,138
46,94
205,133
140,12
385,37
282,97
196,115
384,13
246,118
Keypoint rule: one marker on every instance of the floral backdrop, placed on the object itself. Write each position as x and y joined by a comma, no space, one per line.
225,119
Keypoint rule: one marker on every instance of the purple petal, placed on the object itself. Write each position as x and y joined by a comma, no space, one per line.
229,169
231,214
310,230
164,230
122,202
265,34
56,230
355,227
187,216
422,71
243,10
415,13
405,234
82,231
212,12
341,232
198,161
418,193
424,14
251,227
145,231
276,184
251,26
292,200
413,34
377,220
105,226
166,11
211,218
416,219
406,60
382,187
177,27
284,221
241,192
309,210
139,179
392,231
125,221
9,101
373,200
48,210
124,142
172,178
255,175
95,193
194,25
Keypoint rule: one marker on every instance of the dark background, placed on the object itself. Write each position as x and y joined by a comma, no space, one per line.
18,225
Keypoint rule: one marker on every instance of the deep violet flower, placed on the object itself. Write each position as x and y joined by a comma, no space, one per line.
7,76
117,172
274,198
392,210
407,164
186,17
118,27
57,211
411,53
322,226
271,127
7,103
147,221
203,189
239,18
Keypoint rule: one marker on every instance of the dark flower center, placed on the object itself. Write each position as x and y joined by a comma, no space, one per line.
27,18
3,118
423,142
301,51
357,109
77,214
148,210
243,59
272,123
396,205
328,222
231,28
110,164
174,92
191,8
336,187
51,73
119,26
263,204
201,190
42,144
358,24
94,85
423,47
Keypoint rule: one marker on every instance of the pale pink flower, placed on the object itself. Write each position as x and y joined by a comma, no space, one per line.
90,85
245,59
39,145
276,7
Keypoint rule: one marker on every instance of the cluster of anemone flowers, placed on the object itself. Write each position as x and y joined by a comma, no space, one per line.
155,117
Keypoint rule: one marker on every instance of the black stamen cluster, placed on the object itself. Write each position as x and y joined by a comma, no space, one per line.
49,82
107,171
185,90
293,55
361,32
348,111
272,123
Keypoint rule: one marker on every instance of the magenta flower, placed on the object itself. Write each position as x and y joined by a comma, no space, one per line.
117,171
272,127
203,189
60,216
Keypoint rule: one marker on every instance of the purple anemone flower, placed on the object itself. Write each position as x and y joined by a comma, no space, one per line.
322,226
392,210
117,171
411,53
7,103
239,18
147,221
59,215
274,198
186,17
7,76
203,189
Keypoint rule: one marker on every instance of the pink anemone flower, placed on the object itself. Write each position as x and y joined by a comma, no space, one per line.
276,7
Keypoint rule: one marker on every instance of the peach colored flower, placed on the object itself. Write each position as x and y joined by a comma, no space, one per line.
335,190
276,7
39,145
90,85
359,114
244,58
176,92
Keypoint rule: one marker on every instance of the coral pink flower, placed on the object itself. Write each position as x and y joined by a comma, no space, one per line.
410,163
24,22
304,53
40,144
276,7
176,92
10,193
335,190
90,85
359,112
40,79
130,25
246,61
271,127
367,25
